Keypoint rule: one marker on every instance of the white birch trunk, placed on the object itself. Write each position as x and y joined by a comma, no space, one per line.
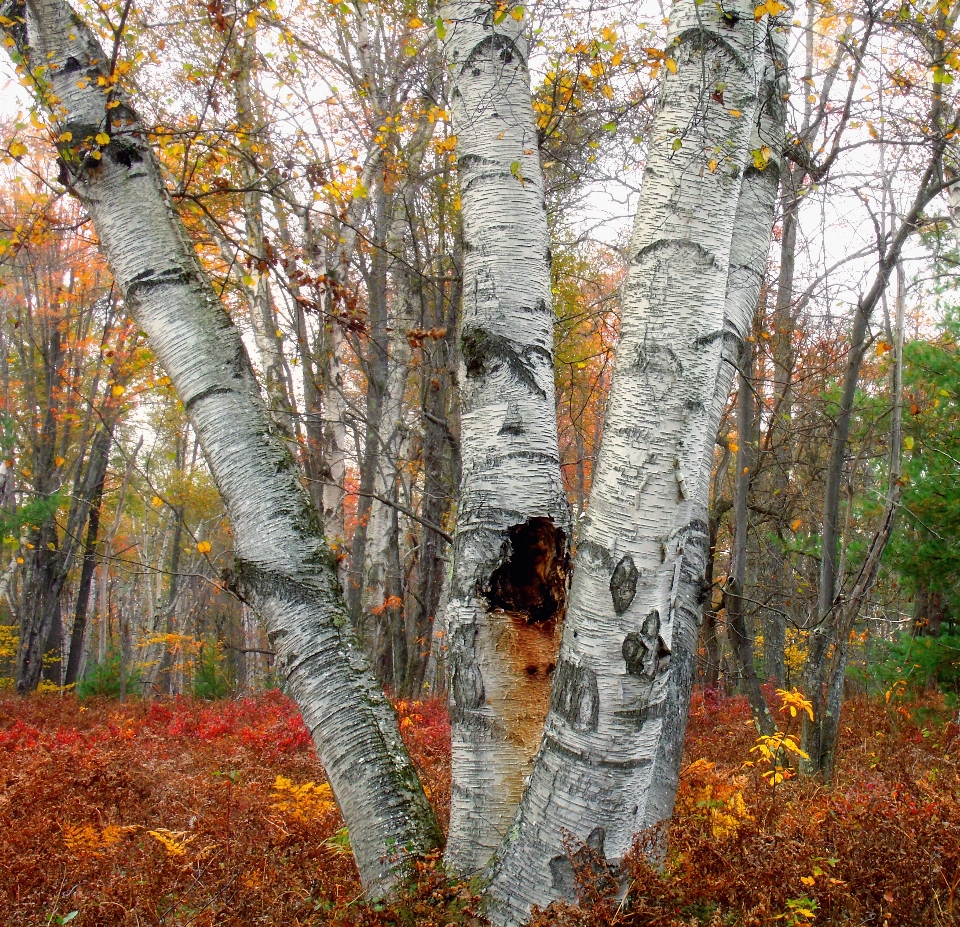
509,581
283,563
609,762
749,253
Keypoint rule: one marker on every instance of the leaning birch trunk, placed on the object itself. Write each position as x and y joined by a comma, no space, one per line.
283,565
609,761
509,583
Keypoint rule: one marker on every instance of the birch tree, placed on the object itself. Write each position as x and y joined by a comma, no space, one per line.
513,523
609,761
283,567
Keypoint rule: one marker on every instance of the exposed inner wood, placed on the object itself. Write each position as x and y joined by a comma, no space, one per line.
532,582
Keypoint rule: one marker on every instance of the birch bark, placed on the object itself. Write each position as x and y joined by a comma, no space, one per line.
283,566
748,263
609,760
511,546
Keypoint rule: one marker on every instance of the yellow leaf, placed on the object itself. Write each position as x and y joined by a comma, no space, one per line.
18,149
65,137
908,443
735,113
712,165
414,23
671,65
252,19
203,547
734,447
102,138
118,390
174,842
58,461
517,13
156,501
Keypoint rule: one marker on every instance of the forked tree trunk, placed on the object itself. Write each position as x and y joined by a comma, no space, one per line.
609,762
511,546
283,566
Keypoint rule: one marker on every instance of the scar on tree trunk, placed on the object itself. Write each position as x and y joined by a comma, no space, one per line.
528,592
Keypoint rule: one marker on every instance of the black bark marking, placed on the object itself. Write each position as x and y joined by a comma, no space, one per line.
584,871
699,41
150,279
623,584
492,46
693,562
466,681
597,555
728,334
660,366
483,353
512,421
532,578
592,759
468,691
124,153
703,256
576,697
191,403
637,717
640,650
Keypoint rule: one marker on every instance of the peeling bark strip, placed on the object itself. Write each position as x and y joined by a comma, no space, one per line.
637,593
285,567
509,585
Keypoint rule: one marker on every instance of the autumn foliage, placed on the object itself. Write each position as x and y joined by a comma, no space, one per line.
187,812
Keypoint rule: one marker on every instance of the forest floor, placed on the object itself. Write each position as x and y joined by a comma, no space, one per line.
199,813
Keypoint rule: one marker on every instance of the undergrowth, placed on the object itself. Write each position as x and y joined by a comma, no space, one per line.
186,812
